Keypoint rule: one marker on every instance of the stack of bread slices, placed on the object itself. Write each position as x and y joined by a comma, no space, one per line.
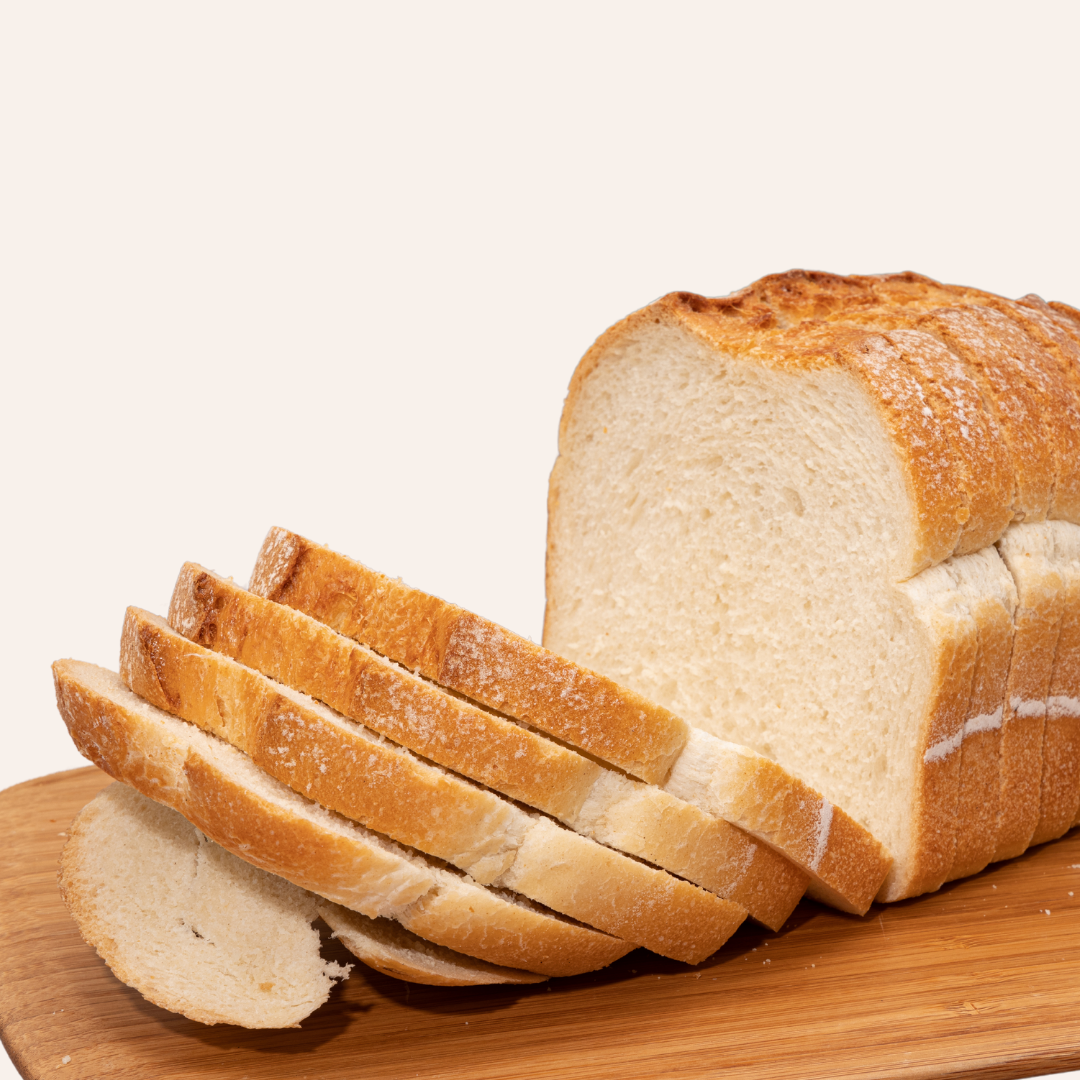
457,804
837,519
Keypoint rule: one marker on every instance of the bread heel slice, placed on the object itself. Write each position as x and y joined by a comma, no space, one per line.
191,927
263,822
390,949
845,864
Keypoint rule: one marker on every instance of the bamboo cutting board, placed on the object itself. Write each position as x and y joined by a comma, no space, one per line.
981,979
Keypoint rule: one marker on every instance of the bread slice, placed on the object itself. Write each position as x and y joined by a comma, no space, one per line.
191,927
443,641
988,589
247,812
471,655
337,763
389,948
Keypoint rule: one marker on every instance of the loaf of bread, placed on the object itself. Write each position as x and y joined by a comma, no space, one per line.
787,516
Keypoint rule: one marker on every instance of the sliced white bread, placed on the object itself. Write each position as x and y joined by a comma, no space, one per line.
316,750
478,657
191,927
220,791
346,768
988,587
755,497
471,655
509,757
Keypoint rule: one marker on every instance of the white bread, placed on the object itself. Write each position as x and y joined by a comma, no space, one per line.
337,763
262,821
476,656
752,484
191,927
471,655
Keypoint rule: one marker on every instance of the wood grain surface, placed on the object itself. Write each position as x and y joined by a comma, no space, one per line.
981,979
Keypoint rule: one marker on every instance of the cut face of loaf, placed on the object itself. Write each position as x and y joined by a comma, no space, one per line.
191,927
340,765
737,506
260,820
473,655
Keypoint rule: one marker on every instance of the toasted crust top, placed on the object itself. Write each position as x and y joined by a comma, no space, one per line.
979,395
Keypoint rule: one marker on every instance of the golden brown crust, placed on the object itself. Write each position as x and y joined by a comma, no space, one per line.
937,782
126,741
980,752
471,655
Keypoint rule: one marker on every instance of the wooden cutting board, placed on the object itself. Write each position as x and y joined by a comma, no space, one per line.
981,979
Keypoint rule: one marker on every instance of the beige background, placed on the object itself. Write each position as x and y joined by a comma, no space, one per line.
331,265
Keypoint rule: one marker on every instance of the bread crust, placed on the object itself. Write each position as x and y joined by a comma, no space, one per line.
953,645
470,654
554,866
133,742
